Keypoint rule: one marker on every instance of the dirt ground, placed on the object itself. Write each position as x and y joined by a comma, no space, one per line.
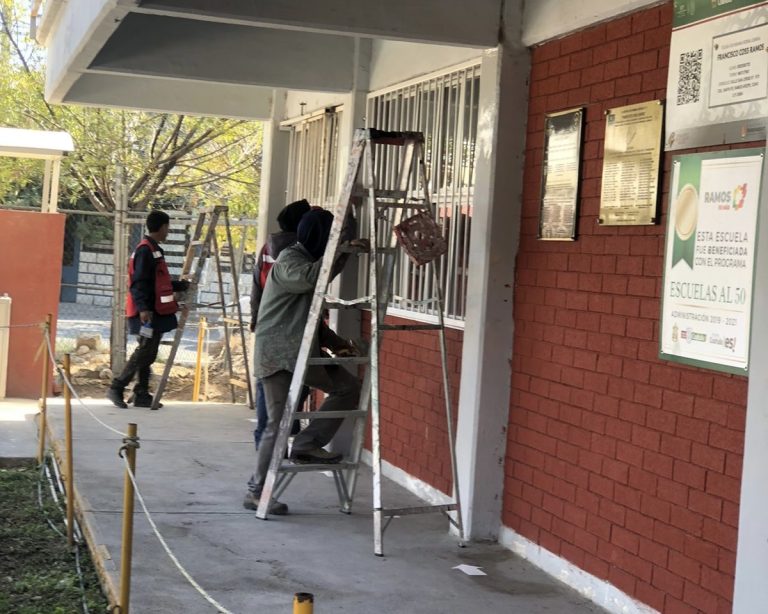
91,376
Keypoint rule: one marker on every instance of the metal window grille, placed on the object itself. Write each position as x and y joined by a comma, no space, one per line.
445,108
313,157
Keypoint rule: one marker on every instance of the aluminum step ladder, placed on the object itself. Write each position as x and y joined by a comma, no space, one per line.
382,210
203,245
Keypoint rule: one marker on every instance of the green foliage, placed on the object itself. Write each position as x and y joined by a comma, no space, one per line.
169,161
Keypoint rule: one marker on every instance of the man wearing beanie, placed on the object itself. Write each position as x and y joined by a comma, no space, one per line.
288,219
280,326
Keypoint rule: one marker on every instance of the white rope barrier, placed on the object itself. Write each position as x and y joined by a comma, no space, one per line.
161,539
69,385
167,548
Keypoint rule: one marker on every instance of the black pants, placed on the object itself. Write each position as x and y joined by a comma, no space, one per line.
140,362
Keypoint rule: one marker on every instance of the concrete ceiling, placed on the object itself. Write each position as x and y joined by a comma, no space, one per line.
224,57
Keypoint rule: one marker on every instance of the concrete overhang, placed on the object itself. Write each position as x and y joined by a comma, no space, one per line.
40,144
225,57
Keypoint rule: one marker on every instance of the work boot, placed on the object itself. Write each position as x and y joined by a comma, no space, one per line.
143,400
315,455
116,396
251,502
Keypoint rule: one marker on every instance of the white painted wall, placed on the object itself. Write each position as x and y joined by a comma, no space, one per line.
313,101
82,28
751,589
547,19
394,61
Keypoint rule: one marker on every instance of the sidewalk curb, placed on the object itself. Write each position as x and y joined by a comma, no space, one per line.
100,554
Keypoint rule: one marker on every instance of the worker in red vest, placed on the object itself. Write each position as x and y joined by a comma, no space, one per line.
151,309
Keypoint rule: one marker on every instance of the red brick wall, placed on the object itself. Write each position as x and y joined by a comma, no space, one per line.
413,425
626,465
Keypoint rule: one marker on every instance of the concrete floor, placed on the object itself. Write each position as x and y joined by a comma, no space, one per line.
192,468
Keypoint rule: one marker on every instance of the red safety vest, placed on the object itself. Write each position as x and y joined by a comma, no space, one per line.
165,303
267,261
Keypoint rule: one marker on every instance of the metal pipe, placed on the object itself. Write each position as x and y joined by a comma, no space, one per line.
70,469
303,603
126,549
199,360
46,382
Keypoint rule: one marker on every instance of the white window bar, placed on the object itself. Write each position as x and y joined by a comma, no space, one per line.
444,107
313,157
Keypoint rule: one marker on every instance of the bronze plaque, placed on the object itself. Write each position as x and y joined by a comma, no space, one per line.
560,175
629,195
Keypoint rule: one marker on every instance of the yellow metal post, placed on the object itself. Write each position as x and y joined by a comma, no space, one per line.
70,468
45,387
199,360
303,603
126,550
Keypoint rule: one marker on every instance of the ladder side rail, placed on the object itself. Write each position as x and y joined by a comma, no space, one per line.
225,324
310,329
196,234
444,361
373,367
236,263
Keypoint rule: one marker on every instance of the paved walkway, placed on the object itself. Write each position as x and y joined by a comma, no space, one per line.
18,431
192,467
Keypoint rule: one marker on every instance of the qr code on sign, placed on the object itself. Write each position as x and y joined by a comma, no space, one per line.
689,83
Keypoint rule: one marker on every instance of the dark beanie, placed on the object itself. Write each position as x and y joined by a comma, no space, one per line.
289,217
313,231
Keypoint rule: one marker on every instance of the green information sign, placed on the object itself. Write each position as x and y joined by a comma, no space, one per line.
709,259
691,11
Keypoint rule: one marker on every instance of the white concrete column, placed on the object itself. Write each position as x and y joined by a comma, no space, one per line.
488,333
274,168
274,180
348,322
751,589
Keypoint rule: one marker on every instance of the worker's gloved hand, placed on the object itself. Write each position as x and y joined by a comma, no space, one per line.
145,316
181,285
252,326
349,350
362,245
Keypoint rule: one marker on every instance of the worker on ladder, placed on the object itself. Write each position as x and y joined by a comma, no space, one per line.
288,219
151,309
282,316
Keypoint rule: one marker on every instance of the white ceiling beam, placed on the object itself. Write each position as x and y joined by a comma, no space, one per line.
428,21
171,96
225,53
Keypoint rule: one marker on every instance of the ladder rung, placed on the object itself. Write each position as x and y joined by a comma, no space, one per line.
352,249
232,321
423,509
340,303
238,383
355,360
410,327
307,467
396,205
317,415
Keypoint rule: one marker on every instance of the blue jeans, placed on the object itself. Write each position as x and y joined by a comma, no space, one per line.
261,414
